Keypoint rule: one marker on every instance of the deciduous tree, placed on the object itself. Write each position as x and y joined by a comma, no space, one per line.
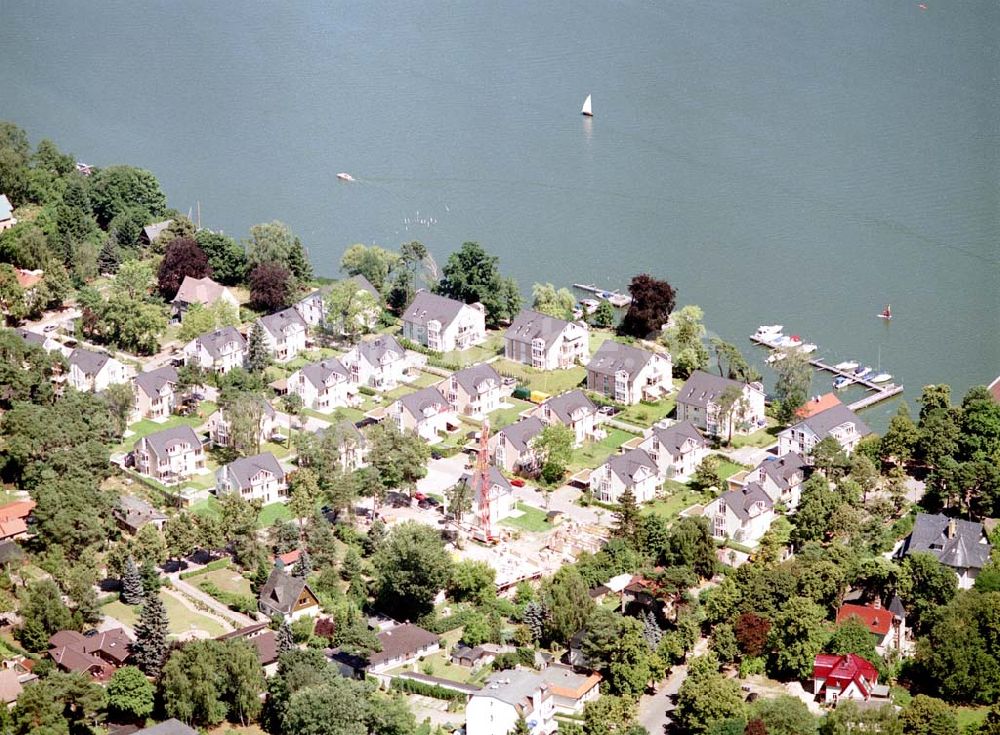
130,694
554,448
554,302
270,287
410,569
791,389
183,257
706,697
473,275
567,603
226,257
652,302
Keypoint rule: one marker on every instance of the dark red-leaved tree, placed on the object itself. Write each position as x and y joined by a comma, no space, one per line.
270,287
652,302
756,726
751,633
183,257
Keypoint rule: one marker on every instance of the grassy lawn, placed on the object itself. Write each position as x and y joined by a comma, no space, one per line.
727,469
593,454
147,427
552,382
680,497
227,580
492,347
396,393
505,416
967,716
760,438
533,519
645,415
270,513
439,665
425,379
181,619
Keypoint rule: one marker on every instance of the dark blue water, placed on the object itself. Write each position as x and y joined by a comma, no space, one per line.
800,163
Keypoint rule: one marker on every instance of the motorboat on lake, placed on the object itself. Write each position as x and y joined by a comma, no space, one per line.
765,330
846,366
862,372
841,381
776,356
881,378
793,341
345,176
807,348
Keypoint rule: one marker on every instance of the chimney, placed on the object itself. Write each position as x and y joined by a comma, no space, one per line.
877,604
951,528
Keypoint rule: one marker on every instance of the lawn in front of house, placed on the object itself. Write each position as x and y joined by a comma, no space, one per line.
552,382
676,498
476,354
531,519
181,620
146,427
227,580
425,379
727,469
593,454
761,438
645,415
268,514
505,416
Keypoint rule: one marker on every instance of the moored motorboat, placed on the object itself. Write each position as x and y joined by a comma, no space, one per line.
881,378
841,381
846,366
776,356
807,348
862,372
768,329
343,176
793,341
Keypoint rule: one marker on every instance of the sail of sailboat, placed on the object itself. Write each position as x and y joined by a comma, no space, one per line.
587,108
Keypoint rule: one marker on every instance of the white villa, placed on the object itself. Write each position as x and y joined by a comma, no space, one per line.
444,324
511,448
219,351
260,477
473,391
572,409
698,402
426,412
742,515
378,363
634,470
324,386
94,371
169,456
840,422
154,394
677,450
545,342
284,334
507,696
628,374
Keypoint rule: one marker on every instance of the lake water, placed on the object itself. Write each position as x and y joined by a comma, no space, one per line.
801,163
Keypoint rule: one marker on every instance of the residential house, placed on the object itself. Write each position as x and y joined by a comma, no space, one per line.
284,334
473,391
220,430
287,596
14,519
312,308
634,470
10,686
324,386
219,351
170,456
476,657
7,218
167,727
353,444
677,449
545,342
402,645
628,374
378,363
502,500
132,513
260,477
426,412
40,340
366,317
817,404
698,402
887,625
201,291
572,409
839,677
154,394
511,448
264,642
571,689
838,422
781,477
958,544
442,324
507,696
94,372
150,232
98,655
742,515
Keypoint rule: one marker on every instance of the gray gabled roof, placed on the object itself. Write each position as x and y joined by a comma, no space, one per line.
672,438
427,307
136,511
88,362
513,686
402,642
702,388
154,230
5,207
566,404
168,727
152,382
213,342
782,469
959,546
475,379
520,433
319,373
613,357
243,469
530,325
365,285
280,322
161,441
32,338
742,500
496,479
281,591
822,423
424,399
380,350
626,466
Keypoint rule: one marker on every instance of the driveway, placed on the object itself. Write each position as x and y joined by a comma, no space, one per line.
655,709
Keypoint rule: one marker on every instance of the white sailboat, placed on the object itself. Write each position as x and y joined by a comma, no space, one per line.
587,108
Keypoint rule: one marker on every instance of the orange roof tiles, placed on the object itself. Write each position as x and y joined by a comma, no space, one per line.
817,405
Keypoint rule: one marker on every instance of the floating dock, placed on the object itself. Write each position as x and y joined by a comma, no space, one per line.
877,392
615,298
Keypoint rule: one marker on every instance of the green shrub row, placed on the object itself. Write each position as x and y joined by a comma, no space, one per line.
210,567
412,686
237,603
442,625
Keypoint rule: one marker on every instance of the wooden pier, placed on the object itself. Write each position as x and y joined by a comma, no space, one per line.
877,392
615,298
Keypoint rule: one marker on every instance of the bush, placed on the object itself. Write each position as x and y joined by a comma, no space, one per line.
237,603
442,625
412,686
366,391
210,567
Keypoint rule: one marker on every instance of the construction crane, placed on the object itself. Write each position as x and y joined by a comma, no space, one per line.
481,486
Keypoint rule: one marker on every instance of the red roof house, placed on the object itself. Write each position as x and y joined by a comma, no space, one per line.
847,676
817,404
888,625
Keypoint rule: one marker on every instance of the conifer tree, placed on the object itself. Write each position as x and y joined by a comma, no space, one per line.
303,567
627,516
258,357
283,637
298,262
110,257
133,592
150,647
521,727
260,575
351,568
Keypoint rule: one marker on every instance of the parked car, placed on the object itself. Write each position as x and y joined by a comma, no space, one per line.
50,327
517,482
436,455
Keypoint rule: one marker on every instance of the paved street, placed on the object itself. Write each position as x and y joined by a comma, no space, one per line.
654,709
